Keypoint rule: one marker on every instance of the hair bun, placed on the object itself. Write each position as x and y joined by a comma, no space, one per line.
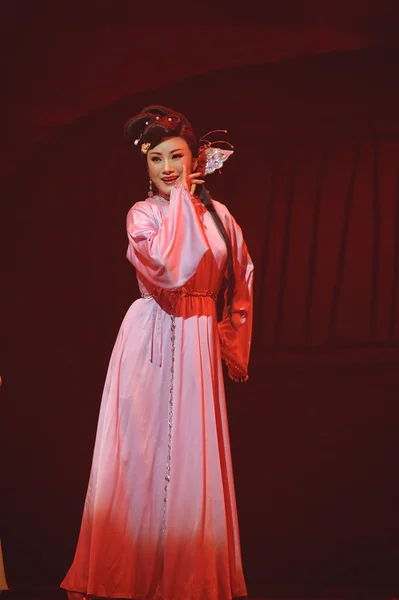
155,123
135,126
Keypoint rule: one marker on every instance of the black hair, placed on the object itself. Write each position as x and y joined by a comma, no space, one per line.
152,125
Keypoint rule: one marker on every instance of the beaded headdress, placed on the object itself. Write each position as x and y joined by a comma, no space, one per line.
210,158
169,120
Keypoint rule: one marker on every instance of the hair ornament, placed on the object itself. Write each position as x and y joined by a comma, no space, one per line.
145,147
149,119
211,156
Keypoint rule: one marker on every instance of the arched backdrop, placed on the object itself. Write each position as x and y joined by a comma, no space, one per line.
314,183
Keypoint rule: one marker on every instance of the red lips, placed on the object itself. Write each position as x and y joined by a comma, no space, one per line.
169,180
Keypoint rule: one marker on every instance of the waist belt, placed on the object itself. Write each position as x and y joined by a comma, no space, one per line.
172,296
180,293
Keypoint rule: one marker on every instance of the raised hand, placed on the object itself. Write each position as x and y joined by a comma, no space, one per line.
190,181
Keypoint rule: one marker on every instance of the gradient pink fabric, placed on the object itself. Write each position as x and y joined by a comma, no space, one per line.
133,543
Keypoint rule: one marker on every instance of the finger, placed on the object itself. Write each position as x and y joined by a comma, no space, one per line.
183,177
194,184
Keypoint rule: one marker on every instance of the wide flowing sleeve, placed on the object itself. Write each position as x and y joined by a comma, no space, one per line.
235,340
168,252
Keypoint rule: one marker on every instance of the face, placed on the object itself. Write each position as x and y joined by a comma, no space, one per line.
166,161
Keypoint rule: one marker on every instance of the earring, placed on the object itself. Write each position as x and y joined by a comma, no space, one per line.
150,192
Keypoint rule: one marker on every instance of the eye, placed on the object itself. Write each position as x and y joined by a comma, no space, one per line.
155,159
177,156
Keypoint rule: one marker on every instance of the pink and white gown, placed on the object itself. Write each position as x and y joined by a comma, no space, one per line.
160,519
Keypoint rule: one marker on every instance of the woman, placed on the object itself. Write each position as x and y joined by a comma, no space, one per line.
160,514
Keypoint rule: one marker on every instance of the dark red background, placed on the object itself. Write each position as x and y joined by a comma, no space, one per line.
310,97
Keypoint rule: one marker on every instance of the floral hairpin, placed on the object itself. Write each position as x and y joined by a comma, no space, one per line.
211,156
144,147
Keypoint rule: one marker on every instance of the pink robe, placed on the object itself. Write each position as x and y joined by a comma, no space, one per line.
160,519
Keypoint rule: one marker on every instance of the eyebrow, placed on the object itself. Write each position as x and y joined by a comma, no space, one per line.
171,152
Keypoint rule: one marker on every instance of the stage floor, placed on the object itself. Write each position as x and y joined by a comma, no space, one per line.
267,594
